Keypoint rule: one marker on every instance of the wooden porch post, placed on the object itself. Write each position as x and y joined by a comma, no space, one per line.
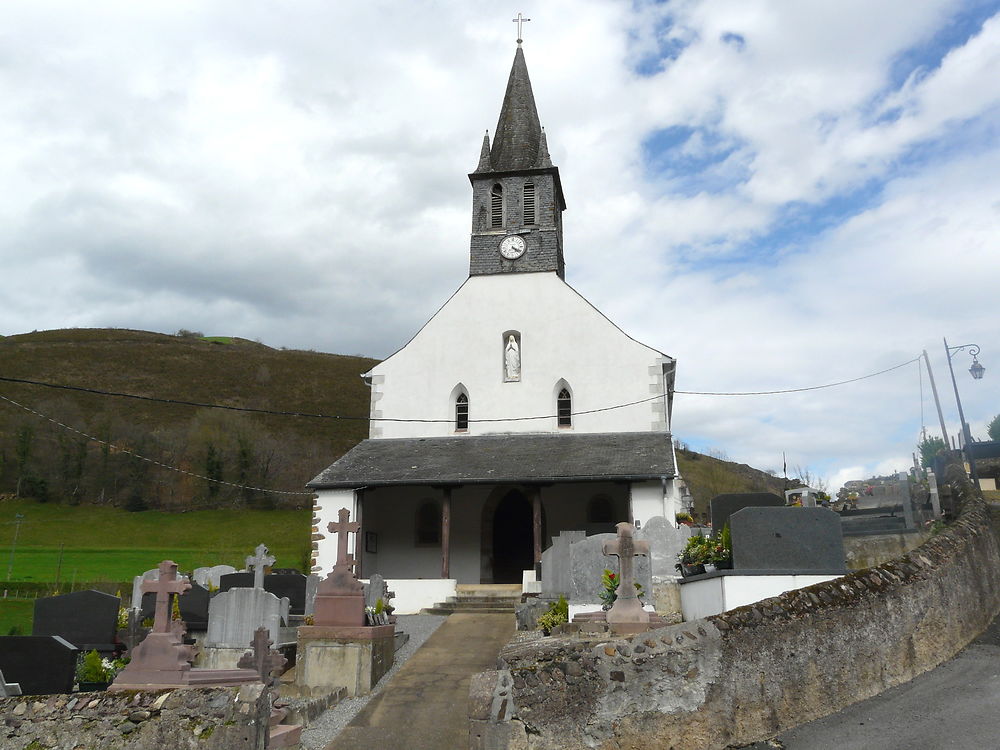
446,532
536,521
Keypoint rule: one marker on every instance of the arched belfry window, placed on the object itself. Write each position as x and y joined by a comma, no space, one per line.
428,524
564,408
462,412
496,206
529,203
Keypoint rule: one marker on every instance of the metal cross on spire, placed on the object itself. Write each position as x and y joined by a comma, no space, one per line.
520,20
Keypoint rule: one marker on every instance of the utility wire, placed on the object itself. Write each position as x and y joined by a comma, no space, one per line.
126,451
274,412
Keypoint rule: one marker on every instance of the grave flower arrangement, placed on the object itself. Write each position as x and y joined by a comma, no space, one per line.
95,673
609,589
557,615
698,551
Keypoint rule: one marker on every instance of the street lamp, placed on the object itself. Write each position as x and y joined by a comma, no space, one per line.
977,371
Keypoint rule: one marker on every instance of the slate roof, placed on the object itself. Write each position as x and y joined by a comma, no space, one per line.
518,137
491,459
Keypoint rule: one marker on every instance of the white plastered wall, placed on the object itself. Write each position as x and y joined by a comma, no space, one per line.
326,506
563,337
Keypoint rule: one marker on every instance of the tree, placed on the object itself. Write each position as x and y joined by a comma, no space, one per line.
929,447
993,429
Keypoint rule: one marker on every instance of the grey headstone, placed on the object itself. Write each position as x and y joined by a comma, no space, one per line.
149,575
240,580
723,506
312,585
582,565
8,689
376,589
556,564
234,615
87,619
213,575
665,542
41,664
800,540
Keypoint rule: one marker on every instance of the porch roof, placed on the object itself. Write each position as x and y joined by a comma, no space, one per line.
491,459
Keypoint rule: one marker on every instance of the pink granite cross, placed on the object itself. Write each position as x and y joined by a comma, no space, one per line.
342,527
627,607
261,658
167,584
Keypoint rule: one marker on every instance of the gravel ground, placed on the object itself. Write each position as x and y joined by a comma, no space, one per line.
322,731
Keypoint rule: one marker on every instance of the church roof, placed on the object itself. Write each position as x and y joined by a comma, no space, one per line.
492,459
518,137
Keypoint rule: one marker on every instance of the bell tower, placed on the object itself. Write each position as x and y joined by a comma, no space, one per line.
517,198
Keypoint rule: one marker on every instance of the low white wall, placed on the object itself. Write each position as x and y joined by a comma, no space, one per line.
712,596
414,594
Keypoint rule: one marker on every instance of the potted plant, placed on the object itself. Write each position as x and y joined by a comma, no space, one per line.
722,550
691,560
94,673
684,518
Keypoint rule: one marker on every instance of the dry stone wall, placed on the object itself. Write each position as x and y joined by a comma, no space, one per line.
224,718
747,674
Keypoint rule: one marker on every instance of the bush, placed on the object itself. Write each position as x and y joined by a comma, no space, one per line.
557,615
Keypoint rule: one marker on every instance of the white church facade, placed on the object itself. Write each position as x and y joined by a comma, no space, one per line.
518,411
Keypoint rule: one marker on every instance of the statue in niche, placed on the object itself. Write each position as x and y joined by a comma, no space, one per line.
511,360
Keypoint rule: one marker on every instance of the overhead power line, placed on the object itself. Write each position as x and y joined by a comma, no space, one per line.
126,451
341,417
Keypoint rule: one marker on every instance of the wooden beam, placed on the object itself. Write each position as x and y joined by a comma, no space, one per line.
536,521
446,532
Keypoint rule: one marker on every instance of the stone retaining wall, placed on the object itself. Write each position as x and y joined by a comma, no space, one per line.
223,718
747,674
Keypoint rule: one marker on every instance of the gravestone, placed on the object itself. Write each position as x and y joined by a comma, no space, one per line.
239,580
209,577
259,562
557,564
149,575
723,506
312,584
665,542
8,689
340,599
580,567
193,606
40,664
793,540
87,619
262,659
627,607
291,586
234,615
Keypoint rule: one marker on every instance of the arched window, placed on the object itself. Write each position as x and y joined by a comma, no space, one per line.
564,408
462,412
428,524
496,206
529,203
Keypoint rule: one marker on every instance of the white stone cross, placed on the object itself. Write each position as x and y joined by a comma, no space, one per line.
259,560
519,21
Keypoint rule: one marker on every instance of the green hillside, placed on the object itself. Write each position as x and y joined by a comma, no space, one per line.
43,460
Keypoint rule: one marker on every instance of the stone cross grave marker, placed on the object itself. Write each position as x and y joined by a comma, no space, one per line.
261,658
627,607
342,527
167,584
259,560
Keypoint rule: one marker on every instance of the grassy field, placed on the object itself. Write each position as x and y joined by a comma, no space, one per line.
16,613
108,544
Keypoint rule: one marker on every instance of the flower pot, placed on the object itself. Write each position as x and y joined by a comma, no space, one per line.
709,567
692,570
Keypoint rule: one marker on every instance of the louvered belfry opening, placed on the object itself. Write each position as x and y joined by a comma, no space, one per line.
529,203
496,206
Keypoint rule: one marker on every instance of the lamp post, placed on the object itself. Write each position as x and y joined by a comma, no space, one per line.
17,528
977,371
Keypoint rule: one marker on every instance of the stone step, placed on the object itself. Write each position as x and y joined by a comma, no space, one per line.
444,610
284,735
474,600
488,589
277,716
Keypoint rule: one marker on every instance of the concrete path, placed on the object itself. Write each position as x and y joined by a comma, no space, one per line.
425,707
953,706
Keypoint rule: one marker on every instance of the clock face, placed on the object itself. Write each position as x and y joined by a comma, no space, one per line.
512,247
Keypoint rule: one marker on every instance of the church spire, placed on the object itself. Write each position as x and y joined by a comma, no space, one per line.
484,155
519,132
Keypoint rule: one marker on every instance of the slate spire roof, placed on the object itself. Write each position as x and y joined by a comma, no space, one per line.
517,142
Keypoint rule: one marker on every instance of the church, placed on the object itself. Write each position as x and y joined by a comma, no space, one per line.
516,412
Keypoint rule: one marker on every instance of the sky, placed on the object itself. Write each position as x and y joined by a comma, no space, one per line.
780,195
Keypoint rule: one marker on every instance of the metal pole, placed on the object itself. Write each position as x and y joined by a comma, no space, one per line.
17,529
937,401
961,415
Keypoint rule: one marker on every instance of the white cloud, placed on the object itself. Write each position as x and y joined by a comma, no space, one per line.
296,174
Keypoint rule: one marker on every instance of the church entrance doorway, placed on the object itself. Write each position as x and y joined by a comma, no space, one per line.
513,543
